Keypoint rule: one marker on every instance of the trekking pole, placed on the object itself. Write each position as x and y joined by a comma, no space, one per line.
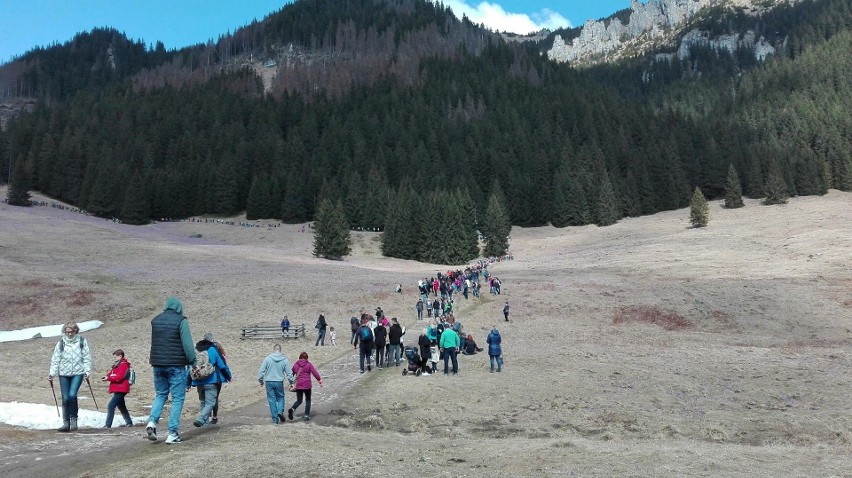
93,394
54,398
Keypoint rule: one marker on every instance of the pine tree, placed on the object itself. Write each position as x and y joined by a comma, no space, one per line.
331,231
733,190
699,211
496,227
18,193
608,210
135,209
775,189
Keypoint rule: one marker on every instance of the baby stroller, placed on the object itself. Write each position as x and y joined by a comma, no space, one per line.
413,357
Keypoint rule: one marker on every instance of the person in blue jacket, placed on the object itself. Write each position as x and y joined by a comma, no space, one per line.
208,389
495,352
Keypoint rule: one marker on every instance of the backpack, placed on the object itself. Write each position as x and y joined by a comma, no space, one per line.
204,368
366,336
353,323
131,376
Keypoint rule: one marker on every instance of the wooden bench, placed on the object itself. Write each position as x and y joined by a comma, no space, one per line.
271,332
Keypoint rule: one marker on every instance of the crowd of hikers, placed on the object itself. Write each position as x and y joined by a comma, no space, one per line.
179,364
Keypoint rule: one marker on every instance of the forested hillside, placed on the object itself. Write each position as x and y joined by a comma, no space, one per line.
437,129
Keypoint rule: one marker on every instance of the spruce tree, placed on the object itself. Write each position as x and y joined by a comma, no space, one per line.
733,189
18,193
608,211
699,211
496,227
775,189
331,231
135,209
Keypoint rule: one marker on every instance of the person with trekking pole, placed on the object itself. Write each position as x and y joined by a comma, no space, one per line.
71,362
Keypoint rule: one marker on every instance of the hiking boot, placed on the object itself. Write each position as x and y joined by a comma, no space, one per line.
173,438
290,414
281,417
198,423
369,369
151,430
499,369
73,425
307,418
66,426
362,371
492,369
214,420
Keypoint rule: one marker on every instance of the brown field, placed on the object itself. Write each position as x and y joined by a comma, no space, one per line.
642,349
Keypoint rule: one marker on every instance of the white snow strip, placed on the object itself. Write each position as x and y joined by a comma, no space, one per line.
36,416
44,331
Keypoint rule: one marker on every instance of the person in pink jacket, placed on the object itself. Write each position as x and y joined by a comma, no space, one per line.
303,370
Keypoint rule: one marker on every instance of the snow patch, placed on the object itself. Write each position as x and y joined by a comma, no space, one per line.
44,331
36,416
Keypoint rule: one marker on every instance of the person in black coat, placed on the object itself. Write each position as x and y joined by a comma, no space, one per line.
381,334
425,351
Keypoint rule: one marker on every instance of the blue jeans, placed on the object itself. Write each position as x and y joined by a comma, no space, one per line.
168,380
320,337
69,386
117,401
207,395
276,398
448,355
393,354
498,359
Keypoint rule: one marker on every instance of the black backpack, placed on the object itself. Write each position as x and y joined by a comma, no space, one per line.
62,344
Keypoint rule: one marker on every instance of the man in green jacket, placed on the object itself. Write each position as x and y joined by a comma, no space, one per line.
449,345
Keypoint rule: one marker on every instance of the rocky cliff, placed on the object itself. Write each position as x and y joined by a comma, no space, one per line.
653,23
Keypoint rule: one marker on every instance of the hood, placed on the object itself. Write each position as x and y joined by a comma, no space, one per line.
204,345
276,356
301,362
174,304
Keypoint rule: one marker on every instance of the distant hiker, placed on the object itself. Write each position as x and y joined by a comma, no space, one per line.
365,337
171,352
428,308
399,288
303,370
380,335
285,325
495,351
419,307
332,335
273,371
72,363
449,344
506,311
425,351
354,324
436,307
119,386
208,378
320,326
395,342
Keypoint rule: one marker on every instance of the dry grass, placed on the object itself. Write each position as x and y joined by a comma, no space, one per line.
757,385
650,314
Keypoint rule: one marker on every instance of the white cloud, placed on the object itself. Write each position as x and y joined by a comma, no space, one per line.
494,16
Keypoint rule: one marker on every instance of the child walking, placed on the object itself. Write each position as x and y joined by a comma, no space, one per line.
333,336
119,386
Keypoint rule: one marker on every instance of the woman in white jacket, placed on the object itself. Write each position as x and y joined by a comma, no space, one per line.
71,362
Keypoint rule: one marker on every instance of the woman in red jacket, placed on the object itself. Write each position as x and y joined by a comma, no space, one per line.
119,385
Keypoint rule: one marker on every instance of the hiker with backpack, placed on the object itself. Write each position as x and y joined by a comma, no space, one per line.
354,325
214,416
119,386
303,370
207,376
72,363
380,334
366,339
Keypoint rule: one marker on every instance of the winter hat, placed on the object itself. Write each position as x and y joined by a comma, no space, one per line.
208,336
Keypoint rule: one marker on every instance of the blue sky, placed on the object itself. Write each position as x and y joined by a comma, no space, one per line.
25,24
